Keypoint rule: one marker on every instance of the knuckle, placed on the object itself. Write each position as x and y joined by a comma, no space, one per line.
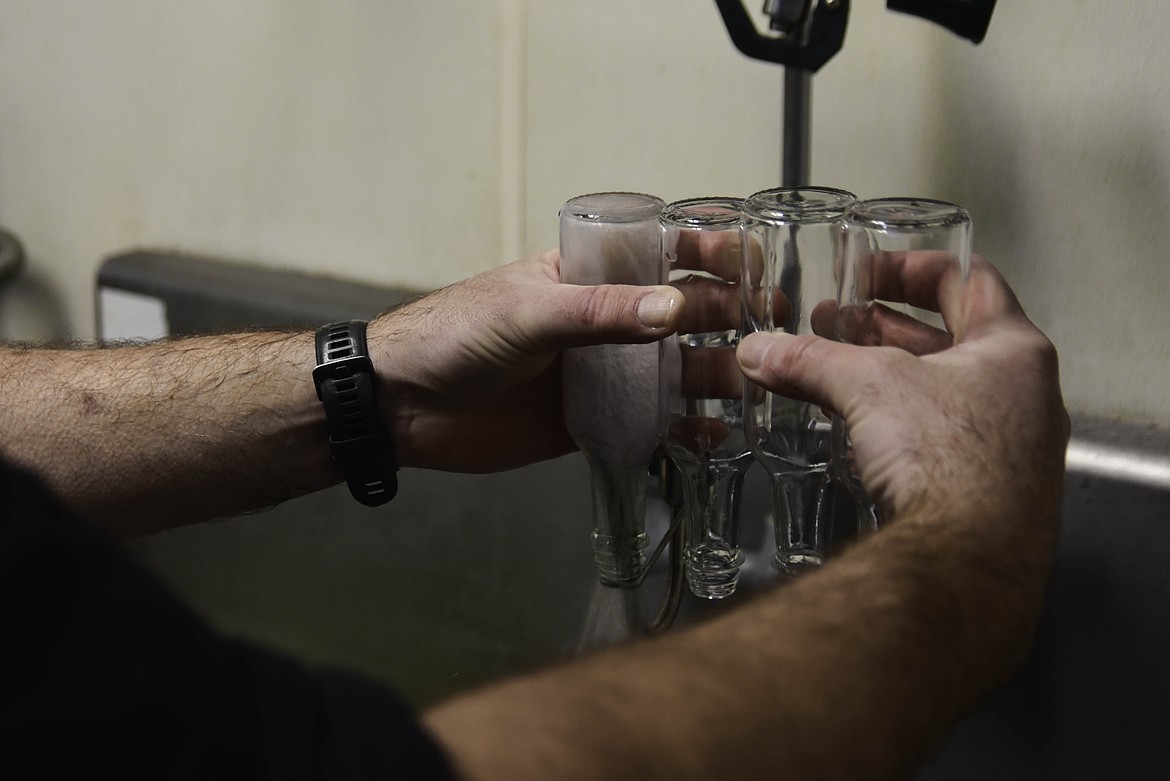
872,390
593,305
1038,351
1047,354
790,367
791,362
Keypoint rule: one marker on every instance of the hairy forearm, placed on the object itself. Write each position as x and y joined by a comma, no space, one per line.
150,436
854,671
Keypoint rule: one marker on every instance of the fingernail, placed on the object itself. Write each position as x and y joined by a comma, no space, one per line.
752,349
655,310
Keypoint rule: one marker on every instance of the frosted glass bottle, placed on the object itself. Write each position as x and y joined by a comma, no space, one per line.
611,390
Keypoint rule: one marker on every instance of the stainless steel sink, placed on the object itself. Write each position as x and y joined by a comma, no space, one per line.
1091,700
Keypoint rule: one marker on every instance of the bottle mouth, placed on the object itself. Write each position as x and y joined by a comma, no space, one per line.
620,563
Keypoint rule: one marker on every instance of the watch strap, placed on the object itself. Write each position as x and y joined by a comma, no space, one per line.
358,437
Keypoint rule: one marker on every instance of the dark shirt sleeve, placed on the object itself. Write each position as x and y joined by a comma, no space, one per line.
105,674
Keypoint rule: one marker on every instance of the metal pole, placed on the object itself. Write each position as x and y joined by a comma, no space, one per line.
794,149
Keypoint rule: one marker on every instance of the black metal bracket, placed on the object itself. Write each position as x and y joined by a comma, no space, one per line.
965,18
809,43
825,36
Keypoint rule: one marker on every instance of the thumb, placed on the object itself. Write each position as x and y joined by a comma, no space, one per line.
605,314
807,367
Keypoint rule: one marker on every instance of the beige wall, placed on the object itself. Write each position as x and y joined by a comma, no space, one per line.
359,137
417,142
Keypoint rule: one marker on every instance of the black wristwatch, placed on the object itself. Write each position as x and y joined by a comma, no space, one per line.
358,437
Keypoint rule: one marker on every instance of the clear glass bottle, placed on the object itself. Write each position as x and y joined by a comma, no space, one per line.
877,232
795,236
702,388
611,390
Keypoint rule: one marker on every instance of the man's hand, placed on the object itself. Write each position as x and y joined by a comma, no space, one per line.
981,412
469,374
